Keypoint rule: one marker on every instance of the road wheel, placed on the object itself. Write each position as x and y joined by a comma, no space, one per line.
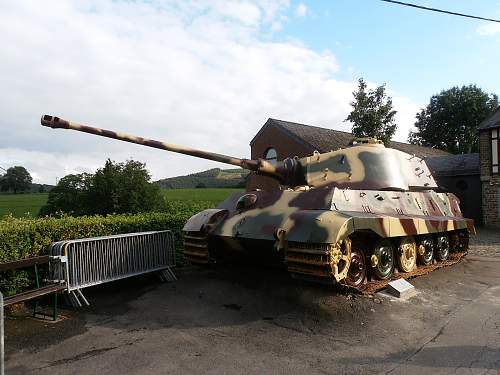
383,260
407,254
356,274
426,251
442,247
454,241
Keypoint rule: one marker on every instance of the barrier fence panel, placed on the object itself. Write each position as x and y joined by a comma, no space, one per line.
2,349
93,261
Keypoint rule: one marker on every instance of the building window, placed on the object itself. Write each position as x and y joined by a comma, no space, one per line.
271,155
495,150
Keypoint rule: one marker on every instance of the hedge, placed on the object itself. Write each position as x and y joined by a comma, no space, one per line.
22,238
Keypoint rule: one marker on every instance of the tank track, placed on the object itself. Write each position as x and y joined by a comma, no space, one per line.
312,262
196,248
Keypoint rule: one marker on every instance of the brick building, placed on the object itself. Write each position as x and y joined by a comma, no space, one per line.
489,151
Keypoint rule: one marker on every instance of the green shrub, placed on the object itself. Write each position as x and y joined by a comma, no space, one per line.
22,238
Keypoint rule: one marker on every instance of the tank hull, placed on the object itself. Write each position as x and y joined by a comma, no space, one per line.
318,232
327,215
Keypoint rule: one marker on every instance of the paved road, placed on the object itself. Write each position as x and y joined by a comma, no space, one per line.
246,320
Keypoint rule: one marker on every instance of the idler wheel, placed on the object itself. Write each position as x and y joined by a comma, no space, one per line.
383,259
426,251
442,247
356,274
407,254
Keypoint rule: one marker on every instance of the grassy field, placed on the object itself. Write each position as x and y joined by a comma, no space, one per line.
211,195
22,204
29,204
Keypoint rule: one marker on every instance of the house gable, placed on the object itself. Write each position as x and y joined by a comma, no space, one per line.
492,121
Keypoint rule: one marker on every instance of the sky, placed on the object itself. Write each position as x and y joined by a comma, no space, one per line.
208,74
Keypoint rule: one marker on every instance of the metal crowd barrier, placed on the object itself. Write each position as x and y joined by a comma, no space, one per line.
98,260
2,350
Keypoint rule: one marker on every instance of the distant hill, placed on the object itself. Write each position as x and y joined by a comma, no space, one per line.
212,178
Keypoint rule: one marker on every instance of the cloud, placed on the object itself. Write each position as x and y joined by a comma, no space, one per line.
405,118
277,25
301,10
488,29
200,74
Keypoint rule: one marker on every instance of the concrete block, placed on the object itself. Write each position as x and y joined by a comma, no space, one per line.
401,288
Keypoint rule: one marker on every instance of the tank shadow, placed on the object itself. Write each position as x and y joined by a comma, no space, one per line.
226,295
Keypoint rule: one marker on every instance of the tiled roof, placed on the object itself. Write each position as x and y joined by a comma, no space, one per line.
492,121
324,140
454,165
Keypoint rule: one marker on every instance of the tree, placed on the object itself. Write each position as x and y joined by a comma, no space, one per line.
16,179
124,188
450,120
372,114
115,188
69,196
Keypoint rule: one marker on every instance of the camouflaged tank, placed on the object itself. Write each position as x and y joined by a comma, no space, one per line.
346,216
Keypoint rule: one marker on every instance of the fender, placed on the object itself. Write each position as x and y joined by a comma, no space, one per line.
407,225
205,220
316,226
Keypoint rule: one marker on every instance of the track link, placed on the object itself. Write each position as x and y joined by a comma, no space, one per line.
311,260
196,248
318,262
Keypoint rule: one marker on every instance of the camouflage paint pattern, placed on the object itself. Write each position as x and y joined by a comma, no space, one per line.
368,166
336,214
58,123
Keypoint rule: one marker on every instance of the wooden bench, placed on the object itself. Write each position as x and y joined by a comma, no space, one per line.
39,291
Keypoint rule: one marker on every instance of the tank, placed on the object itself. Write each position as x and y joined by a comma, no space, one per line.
347,216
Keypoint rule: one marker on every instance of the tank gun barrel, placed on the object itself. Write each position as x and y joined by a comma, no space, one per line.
260,166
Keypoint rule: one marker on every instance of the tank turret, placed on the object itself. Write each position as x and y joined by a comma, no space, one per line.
366,164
